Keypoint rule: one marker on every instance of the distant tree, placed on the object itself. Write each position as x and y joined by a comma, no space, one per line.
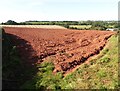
66,26
2,23
52,23
116,26
11,22
22,23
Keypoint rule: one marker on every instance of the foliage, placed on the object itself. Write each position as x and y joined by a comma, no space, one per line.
10,22
96,25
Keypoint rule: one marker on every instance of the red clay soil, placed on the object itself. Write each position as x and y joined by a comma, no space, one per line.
70,48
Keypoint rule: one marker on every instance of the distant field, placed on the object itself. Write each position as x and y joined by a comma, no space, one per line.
80,26
111,26
36,26
37,23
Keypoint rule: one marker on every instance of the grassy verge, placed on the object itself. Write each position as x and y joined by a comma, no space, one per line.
10,62
14,71
100,73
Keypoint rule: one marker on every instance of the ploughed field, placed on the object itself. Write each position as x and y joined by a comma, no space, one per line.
67,49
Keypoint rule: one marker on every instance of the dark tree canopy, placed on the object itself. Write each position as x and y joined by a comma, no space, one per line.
11,22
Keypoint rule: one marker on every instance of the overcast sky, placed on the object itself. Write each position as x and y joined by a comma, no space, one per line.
55,10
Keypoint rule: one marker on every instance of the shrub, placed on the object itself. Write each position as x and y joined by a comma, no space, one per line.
101,73
104,60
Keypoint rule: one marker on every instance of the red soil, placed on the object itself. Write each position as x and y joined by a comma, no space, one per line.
69,48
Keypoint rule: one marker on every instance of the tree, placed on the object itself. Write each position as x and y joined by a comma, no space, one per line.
2,23
66,26
11,22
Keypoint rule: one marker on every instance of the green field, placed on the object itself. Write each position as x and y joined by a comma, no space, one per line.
111,26
100,73
80,26
37,23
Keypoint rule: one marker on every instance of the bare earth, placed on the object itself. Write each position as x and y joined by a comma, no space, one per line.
68,48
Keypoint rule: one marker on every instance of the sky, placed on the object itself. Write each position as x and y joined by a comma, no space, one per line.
58,10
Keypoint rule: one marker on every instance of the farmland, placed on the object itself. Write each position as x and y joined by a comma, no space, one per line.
77,59
35,26
81,26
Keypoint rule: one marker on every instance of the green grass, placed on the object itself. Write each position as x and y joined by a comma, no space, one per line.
80,26
100,73
44,79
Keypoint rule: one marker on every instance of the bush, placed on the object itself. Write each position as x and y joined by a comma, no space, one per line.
101,73
104,60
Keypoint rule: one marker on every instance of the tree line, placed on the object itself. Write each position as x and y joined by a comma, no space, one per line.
99,25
